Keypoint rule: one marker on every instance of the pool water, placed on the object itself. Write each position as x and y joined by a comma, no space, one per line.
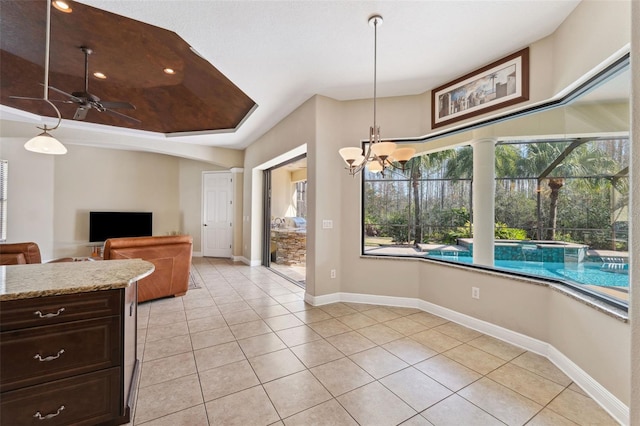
582,274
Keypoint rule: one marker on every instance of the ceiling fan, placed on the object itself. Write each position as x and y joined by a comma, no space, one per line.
86,100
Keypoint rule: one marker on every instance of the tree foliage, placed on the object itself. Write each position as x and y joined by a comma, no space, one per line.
563,190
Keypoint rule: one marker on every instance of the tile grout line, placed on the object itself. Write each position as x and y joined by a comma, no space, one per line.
264,284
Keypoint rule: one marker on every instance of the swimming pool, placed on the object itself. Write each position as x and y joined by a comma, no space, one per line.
580,273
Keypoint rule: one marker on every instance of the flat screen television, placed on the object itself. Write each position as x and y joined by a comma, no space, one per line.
105,225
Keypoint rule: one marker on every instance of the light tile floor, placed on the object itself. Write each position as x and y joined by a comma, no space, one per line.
245,349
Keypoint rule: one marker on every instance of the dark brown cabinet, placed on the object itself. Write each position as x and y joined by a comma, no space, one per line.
69,359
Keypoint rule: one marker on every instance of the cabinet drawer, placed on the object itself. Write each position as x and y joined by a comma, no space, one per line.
36,355
35,312
88,399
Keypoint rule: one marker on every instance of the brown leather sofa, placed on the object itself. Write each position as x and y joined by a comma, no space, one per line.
171,256
19,254
24,253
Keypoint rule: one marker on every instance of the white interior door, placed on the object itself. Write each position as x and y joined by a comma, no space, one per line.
217,226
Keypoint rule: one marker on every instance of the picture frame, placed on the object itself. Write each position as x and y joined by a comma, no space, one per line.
497,85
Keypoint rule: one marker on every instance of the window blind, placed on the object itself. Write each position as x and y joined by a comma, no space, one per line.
4,173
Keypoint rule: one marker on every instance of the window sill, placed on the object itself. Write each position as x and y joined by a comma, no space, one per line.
563,288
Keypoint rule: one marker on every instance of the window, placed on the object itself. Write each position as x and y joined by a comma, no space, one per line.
4,174
561,197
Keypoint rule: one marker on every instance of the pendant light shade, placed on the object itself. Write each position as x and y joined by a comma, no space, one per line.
350,154
383,149
44,143
374,167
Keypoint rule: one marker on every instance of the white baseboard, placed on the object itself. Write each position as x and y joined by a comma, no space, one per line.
599,393
246,261
595,390
196,254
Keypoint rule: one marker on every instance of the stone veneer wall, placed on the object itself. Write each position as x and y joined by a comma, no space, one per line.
291,248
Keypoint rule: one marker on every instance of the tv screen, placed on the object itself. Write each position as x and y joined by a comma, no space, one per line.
105,225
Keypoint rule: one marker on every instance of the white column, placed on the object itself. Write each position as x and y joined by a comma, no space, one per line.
483,200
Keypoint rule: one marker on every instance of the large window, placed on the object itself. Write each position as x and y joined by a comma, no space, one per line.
561,196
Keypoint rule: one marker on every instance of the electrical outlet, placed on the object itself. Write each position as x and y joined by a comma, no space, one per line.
333,273
327,224
475,292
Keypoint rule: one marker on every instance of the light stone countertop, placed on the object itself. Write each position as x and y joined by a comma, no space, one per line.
51,279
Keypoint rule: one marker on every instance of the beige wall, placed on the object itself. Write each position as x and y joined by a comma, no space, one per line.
593,32
525,308
279,144
634,267
190,196
50,196
45,186
30,193
282,203
96,179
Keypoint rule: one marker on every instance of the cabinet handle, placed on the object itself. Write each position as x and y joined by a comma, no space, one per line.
50,357
39,416
49,315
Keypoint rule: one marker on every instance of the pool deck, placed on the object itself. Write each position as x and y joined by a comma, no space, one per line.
442,247
620,293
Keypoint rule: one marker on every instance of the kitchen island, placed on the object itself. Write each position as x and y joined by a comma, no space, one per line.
68,341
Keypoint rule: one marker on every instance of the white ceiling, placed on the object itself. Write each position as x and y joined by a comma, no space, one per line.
280,53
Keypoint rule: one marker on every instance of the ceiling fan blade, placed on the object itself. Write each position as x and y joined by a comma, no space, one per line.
81,113
69,95
117,105
26,98
124,117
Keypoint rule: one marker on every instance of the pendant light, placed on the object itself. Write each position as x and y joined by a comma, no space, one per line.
379,155
44,143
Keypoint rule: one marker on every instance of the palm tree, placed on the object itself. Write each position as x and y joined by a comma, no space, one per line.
555,161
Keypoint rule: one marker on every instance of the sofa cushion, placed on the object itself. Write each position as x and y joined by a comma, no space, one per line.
12,259
30,253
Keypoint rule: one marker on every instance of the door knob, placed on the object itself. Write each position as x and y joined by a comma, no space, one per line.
205,224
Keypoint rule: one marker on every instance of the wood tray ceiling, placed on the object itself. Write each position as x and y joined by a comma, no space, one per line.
130,53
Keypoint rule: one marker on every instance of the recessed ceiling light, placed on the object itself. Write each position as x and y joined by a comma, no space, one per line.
169,71
62,6
99,75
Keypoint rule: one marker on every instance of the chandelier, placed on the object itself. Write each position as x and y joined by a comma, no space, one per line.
379,155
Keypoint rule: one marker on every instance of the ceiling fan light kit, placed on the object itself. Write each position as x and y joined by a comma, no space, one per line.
44,143
379,155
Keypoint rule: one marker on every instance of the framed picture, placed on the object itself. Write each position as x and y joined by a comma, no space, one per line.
497,85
